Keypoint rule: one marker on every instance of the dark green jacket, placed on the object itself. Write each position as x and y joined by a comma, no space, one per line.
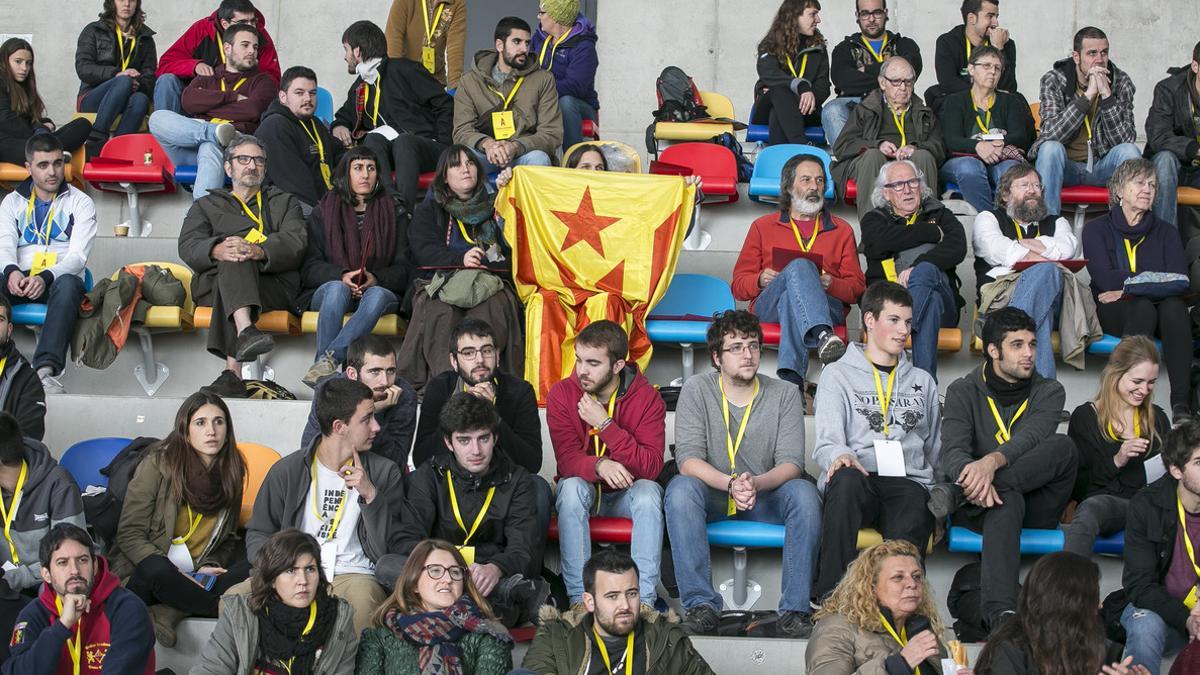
564,645
382,653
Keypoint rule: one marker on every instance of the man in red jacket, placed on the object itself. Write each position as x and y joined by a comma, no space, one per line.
198,51
608,428
230,100
811,294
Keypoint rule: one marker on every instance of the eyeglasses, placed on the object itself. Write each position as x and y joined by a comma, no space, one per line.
865,14
245,160
740,347
436,572
1027,187
470,353
988,67
903,185
900,81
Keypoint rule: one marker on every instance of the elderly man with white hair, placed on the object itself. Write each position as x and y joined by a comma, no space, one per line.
912,239
890,124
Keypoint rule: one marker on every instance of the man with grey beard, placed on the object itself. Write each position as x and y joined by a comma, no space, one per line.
1020,230
799,268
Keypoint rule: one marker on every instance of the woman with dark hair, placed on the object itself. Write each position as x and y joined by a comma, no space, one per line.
290,623
463,269
587,158
115,59
356,261
1057,629
436,622
177,542
1115,434
793,73
1139,274
22,112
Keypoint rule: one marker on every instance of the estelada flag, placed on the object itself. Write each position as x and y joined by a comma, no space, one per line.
589,245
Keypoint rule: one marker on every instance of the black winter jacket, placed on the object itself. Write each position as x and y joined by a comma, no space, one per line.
950,62
97,60
21,393
295,164
1150,529
811,76
862,133
855,71
1171,124
412,101
434,242
886,235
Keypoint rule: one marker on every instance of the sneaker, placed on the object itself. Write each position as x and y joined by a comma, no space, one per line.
166,620
323,368
794,625
225,133
830,347
701,620
52,385
533,605
227,385
252,343
944,499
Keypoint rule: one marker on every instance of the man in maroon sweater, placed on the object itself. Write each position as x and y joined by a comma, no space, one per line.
230,100
608,428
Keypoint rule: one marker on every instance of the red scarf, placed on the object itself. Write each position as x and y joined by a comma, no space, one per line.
346,245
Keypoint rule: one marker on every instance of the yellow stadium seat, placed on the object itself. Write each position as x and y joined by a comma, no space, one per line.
949,339
868,537
718,105
278,321
259,459
389,325
1189,196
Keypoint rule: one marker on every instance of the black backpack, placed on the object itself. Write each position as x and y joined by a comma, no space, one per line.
103,509
745,168
678,98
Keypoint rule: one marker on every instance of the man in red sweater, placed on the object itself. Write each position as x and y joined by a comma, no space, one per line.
811,294
608,428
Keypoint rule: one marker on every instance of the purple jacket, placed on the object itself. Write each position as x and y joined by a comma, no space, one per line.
1160,251
573,62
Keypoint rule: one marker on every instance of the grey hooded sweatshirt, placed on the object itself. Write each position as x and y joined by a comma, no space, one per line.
849,417
48,497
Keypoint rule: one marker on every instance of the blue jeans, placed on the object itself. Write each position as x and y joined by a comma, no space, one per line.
333,301
977,181
1149,638
1039,294
691,505
796,301
574,112
934,308
168,92
1056,170
116,97
531,158
187,140
62,300
835,114
642,501
1171,175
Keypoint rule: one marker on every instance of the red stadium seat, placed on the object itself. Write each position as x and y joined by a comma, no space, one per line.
132,164
714,164
590,129
605,530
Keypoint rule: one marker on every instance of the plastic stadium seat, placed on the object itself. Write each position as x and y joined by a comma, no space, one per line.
389,325
91,118
761,133
768,167
1085,194
868,537
122,167
772,331
1188,196
15,173
1033,542
851,192
34,313
689,295
324,110
715,164
605,530
85,459
949,340
426,179
718,105
185,176
1106,344
278,321
259,459
590,129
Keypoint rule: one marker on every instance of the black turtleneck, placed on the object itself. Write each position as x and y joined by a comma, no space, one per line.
1006,393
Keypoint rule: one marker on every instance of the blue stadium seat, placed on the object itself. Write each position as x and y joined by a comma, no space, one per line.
689,295
741,592
1033,542
34,314
759,133
1105,345
324,106
185,175
85,459
768,166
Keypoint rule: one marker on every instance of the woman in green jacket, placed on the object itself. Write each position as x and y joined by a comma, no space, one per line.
177,542
436,622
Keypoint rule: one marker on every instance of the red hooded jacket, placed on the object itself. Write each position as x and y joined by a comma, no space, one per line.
201,44
636,438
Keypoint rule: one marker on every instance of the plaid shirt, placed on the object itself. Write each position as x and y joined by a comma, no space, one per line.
1063,111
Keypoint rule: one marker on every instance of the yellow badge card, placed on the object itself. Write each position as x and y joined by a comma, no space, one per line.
325,175
428,57
43,261
468,554
731,510
503,125
256,236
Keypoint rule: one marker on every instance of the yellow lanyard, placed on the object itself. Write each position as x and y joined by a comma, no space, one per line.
542,55
316,139
463,229
125,59
968,40
42,231
195,522
1004,431
11,511
1087,124
487,502
220,44
1131,253
877,54
1190,600
604,652
511,94
985,126
378,95
74,647
312,619
235,87
900,125
885,402
337,514
1017,226
732,446
437,17
902,638
1137,428
601,448
803,66
258,219
811,240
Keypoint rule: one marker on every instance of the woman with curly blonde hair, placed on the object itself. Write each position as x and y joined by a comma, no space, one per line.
881,618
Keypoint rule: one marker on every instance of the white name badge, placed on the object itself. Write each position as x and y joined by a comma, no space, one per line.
949,667
181,557
329,554
889,458
8,566
1154,468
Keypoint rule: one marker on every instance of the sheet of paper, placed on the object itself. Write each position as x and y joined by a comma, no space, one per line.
889,458
1154,468
387,132
8,566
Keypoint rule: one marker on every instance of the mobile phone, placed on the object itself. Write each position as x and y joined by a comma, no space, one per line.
205,580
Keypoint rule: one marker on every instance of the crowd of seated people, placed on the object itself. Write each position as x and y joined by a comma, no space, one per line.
398,542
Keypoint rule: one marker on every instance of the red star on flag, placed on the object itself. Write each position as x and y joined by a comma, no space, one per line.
584,224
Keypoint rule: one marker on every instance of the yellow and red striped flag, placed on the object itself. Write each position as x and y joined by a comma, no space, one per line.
589,245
